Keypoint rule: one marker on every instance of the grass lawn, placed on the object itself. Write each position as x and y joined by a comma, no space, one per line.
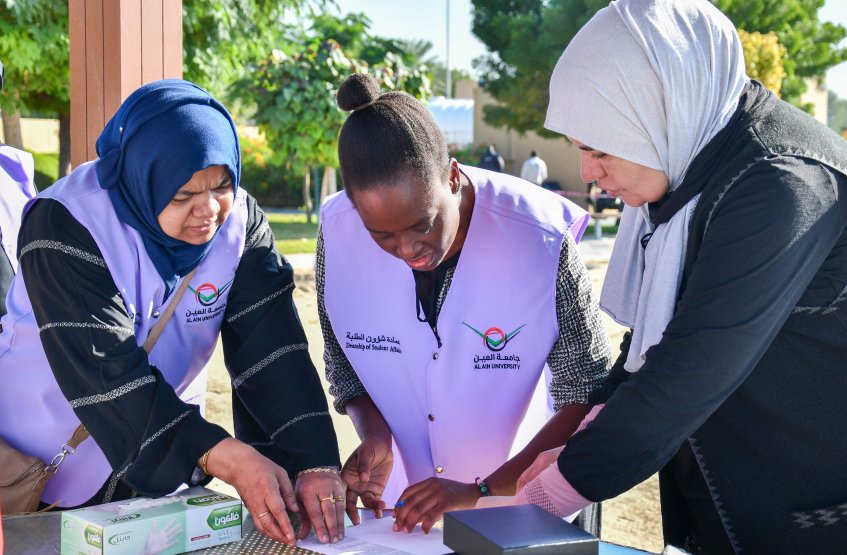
293,234
46,169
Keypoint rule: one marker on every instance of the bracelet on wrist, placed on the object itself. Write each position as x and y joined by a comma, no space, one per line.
331,469
483,488
204,460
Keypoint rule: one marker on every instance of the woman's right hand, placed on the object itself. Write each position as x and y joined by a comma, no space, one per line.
366,473
546,458
263,486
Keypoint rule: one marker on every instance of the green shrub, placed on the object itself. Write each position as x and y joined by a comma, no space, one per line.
272,185
46,169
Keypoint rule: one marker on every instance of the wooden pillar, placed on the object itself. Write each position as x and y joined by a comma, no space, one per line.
117,46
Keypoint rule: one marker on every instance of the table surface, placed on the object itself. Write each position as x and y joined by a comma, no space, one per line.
39,535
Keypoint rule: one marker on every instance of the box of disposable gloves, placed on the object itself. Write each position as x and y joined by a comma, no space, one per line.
191,519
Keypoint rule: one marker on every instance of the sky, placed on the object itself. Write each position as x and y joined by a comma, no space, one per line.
427,19
424,19
836,77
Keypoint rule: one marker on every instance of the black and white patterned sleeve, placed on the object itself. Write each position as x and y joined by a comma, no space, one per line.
279,405
150,437
344,384
581,357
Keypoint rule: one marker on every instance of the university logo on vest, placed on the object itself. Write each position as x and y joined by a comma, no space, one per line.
207,295
495,339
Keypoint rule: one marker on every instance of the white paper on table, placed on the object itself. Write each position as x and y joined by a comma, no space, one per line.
375,537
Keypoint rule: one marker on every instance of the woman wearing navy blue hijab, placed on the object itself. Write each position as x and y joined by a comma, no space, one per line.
103,253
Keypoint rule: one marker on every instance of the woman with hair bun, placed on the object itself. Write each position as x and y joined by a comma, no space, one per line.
444,292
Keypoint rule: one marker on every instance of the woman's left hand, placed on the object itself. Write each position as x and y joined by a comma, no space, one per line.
321,494
427,501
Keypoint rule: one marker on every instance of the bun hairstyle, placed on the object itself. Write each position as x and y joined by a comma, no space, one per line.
387,136
357,92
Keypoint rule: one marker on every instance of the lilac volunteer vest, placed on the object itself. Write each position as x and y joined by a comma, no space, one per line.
34,415
16,189
454,411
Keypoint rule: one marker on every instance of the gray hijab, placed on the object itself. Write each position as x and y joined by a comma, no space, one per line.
649,81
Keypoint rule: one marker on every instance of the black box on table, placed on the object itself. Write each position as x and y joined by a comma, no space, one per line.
515,530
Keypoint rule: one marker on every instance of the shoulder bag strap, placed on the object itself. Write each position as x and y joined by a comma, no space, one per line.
81,434
154,334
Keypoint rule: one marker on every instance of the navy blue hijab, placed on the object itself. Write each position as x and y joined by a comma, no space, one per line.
161,135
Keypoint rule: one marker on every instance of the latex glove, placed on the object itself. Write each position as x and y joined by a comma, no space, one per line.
366,473
316,492
161,540
427,501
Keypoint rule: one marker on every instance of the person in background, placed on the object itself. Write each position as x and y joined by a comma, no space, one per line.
103,254
730,268
534,169
444,292
491,160
17,187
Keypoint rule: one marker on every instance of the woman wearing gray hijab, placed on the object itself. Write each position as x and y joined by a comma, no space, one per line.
730,269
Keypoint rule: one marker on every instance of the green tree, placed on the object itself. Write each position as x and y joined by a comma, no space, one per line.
224,38
524,40
221,38
296,108
810,44
526,37
763,58
294,95
352,33
34,49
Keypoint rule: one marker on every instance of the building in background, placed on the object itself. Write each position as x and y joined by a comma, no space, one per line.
38,134
562,158
818,96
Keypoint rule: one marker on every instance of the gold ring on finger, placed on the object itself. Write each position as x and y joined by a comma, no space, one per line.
263,514
340,499
331,498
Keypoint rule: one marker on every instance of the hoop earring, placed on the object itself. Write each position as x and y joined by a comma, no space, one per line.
458,193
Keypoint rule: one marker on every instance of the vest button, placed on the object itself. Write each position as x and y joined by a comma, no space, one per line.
431,418
439,469
435,355
155,314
